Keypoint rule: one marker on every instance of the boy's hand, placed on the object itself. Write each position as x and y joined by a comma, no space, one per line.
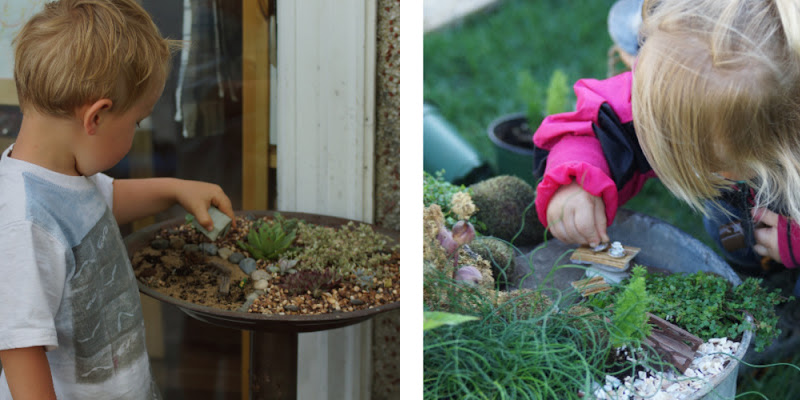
576,216
196,197
766,233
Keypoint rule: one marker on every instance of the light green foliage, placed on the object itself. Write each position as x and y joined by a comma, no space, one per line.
540,103
631,306
532,95
342,249
435,319
436,190
267,240
557,93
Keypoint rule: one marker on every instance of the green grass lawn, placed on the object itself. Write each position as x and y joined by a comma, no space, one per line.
470,75
471,72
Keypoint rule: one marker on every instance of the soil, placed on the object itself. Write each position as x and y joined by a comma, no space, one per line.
516,134
195,276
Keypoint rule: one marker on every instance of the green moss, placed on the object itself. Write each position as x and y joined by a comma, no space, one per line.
505,207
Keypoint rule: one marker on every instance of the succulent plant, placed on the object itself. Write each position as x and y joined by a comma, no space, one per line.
311,281
364,278
268,240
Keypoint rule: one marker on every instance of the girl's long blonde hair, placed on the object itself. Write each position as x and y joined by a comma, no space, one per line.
716,87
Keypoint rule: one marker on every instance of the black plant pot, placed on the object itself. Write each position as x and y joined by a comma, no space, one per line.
513,138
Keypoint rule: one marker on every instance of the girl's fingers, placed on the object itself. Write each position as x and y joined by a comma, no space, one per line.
585,226
765,216
600,220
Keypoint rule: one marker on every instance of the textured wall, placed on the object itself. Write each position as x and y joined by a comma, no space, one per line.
386,331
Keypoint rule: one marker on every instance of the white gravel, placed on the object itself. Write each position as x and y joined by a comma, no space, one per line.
655,385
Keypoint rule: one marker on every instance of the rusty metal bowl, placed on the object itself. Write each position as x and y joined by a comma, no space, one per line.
252,321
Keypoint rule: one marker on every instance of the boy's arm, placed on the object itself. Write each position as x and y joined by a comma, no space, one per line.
28,373
139,198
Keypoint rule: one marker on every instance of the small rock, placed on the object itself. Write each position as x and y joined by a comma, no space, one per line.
159,244
176,243
291,307
292,271
250,217
224,253
357,302
259,275
252,296
261,284
173,231
209,248
236,258
191,248
274,269
248,265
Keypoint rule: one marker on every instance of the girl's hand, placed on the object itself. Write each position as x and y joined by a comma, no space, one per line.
766,233
196,198
576,216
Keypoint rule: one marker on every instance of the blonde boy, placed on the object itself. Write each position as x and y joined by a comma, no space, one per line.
87,72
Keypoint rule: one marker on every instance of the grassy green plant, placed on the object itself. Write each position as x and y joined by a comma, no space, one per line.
267,240
513,349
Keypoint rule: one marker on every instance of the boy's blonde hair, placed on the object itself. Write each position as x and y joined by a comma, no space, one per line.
716,87
75,52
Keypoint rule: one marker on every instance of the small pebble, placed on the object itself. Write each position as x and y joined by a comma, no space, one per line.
191,248
236,258
259,275
248,265
224,253
261,284
274,269
209,248
291,307
357,302
173,231
176,243
252,296
159,244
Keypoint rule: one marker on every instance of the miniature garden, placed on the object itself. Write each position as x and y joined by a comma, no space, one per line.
495,325
274,265
652,335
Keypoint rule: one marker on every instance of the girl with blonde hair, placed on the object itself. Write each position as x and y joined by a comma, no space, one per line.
712,107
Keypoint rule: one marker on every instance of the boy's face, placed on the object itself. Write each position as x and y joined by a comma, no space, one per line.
115,133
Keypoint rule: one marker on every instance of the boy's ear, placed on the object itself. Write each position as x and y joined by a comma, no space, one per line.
93,113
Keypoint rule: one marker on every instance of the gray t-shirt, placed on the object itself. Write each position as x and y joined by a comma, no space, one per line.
67,284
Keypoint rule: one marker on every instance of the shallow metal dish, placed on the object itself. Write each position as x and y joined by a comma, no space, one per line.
252,321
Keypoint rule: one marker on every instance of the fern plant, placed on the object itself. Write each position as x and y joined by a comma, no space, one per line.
268,240
630,311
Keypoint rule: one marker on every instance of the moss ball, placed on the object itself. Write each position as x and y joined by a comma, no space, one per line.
502,202
499,253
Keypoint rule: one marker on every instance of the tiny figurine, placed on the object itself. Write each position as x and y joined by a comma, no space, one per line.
616,250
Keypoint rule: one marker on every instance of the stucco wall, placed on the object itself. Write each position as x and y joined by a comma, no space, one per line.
386,331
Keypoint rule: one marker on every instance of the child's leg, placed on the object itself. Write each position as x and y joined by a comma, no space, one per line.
741,260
